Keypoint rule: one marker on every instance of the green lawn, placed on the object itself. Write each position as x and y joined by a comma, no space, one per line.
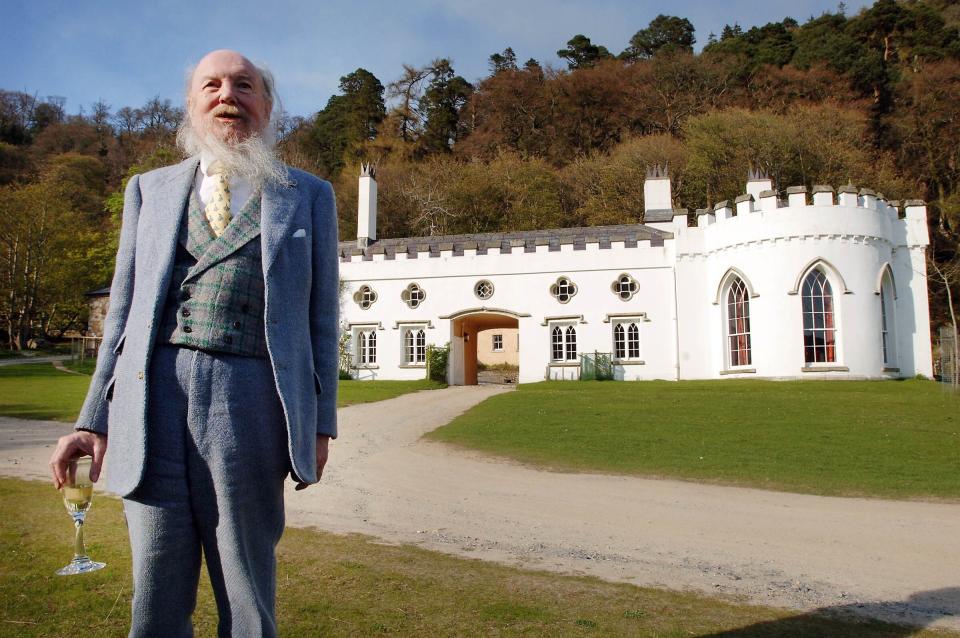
883,438
334,585
351,392
40,391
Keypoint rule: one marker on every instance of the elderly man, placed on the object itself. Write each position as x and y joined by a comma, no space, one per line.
218,369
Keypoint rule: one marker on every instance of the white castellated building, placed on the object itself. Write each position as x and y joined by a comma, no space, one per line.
763,287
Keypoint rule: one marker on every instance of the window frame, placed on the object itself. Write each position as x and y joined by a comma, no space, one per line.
487,284
888,322
413,295
828,313
365,296
494,338
365,347
737,328
414,345
564,287
625,287
629,350
563,341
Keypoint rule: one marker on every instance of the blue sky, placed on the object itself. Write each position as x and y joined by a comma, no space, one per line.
127,52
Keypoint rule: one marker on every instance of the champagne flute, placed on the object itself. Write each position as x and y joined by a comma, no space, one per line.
77,493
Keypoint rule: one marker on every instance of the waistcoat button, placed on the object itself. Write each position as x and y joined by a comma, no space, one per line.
187,329
185,312
237,324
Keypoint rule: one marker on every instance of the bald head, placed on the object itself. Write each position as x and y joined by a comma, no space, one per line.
229,96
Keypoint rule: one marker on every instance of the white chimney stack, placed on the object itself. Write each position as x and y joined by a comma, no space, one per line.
367,207
758,182
656,190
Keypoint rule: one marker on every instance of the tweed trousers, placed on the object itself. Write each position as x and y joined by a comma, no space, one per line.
213,485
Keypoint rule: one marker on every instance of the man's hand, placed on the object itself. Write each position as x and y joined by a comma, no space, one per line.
77,444
323,451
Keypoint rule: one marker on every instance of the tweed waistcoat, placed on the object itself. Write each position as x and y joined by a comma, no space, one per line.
216,300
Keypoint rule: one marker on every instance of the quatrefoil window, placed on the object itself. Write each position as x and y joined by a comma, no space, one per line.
413,295
563,290
365,296
625,287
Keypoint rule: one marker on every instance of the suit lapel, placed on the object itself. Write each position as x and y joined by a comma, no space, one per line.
160,223
279,206
199,234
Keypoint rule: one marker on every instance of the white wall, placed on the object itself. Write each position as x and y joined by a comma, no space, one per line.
682,335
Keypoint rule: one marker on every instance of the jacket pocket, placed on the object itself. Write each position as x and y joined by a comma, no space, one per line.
317,384
108,391
117,349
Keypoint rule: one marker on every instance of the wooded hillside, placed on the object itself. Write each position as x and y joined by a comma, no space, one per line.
871,99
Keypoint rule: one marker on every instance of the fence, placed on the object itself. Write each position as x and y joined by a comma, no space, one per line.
82,348
949,364
596,366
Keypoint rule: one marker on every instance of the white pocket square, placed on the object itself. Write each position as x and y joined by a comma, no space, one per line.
300,233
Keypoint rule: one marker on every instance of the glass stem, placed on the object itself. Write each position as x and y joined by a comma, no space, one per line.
78,549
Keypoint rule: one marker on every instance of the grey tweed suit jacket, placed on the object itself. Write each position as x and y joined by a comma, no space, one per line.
300,266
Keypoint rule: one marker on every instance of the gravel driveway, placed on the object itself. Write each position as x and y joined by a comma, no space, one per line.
892,560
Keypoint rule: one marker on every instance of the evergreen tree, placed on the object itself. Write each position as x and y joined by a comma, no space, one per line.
665,33
347,120
583,54
506,61
440,107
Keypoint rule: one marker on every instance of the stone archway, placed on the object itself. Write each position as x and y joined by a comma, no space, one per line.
464,330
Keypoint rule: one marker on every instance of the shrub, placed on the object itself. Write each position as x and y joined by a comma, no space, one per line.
437,357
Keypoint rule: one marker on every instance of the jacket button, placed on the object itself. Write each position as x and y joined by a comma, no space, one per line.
185,312
140,374
228,340
237,324
187,329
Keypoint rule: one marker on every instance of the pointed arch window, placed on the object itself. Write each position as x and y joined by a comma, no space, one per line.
819,319
414,347
738,324
366,353
563,343
887,322
626,341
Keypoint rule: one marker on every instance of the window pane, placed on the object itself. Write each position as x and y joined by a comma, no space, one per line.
571,343
557,344
819,333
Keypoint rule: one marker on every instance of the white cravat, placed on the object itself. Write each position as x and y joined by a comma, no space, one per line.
240,189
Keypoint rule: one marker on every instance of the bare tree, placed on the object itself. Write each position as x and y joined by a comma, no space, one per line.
409,89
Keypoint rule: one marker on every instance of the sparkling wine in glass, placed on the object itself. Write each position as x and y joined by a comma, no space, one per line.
77,493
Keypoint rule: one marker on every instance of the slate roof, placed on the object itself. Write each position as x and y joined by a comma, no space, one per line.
518,241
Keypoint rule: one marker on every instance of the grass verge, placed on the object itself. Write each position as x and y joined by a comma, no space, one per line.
333,585
885,439
40,391
352,392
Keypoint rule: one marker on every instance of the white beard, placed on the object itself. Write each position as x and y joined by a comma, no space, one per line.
253,159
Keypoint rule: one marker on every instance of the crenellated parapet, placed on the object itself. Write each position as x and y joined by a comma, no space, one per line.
800,213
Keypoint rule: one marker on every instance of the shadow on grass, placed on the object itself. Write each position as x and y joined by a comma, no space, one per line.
35,413
922,607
